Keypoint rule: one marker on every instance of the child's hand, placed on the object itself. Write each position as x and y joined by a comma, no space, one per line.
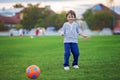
86,37
62,34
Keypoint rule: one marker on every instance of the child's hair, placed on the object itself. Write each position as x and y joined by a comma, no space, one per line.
71,12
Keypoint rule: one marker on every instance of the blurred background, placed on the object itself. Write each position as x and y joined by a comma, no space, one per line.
46,17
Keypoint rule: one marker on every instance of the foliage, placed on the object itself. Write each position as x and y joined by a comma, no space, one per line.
55,20
34,17
18,6
104,19
60,20
30,17
99,20
19,26
1,25
89,18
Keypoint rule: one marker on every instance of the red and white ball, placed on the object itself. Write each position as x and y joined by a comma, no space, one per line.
33,71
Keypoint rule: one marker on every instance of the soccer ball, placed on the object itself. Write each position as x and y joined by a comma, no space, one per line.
33,71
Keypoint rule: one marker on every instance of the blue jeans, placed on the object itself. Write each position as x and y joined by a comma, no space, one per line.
71,47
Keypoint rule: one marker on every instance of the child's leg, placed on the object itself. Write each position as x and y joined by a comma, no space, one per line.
75,52
66,54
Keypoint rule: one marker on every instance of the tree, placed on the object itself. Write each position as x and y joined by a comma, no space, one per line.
30,17
1,25
35,17
104,19
99,19
36,5
19,26
55,20
89,18
61,18
18,6
40,23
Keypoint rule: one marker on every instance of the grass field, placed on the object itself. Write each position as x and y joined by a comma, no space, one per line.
99,58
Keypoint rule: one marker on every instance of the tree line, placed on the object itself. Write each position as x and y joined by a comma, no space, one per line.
95,20
99,20
34,17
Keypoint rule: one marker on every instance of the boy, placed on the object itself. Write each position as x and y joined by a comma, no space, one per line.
70,31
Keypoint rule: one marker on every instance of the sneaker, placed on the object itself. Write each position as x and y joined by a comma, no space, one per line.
75,66
66,68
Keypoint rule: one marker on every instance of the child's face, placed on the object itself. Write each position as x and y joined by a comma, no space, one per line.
70,17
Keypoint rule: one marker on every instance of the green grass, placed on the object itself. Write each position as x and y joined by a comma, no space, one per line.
99,58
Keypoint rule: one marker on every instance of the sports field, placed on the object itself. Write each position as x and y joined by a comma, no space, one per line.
99,58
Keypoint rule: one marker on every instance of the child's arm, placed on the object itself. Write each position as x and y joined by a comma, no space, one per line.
62,34
62,31
84,36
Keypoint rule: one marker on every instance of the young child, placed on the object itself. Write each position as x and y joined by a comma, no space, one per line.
70,31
